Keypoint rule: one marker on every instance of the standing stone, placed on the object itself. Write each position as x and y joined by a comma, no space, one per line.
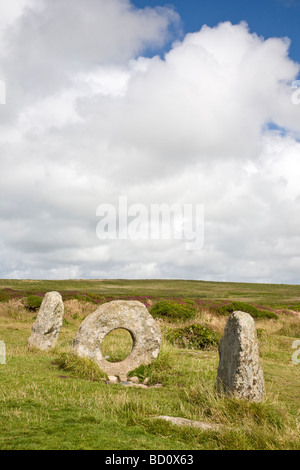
46,327
130,315
239,370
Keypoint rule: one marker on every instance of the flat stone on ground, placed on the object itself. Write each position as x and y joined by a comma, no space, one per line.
188,422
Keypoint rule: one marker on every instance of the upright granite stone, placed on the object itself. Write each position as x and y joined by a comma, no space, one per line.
239,370
131,315
46,327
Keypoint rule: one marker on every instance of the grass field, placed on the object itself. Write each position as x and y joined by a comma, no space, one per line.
50,403
268,294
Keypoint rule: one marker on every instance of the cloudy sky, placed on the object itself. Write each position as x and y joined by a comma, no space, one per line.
190,103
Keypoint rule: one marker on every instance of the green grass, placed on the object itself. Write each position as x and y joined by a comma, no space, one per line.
268,294
79,367
117,345
56,400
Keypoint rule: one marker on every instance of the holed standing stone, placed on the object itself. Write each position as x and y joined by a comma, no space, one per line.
130,315
239,371
46,327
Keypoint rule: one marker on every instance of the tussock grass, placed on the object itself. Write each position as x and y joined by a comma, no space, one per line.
79,366
15,309
229,410
290,328
77,310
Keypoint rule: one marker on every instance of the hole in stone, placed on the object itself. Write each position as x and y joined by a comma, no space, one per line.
117,345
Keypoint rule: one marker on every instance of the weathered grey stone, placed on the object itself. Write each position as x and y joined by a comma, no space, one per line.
113,379
46,327
188,422
130,315
135,380
239,370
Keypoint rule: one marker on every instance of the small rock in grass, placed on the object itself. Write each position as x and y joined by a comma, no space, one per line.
113,379
122,378
134,380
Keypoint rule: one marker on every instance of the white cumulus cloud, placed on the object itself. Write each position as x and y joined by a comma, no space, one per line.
88,118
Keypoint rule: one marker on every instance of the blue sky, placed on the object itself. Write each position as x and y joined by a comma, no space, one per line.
268,18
